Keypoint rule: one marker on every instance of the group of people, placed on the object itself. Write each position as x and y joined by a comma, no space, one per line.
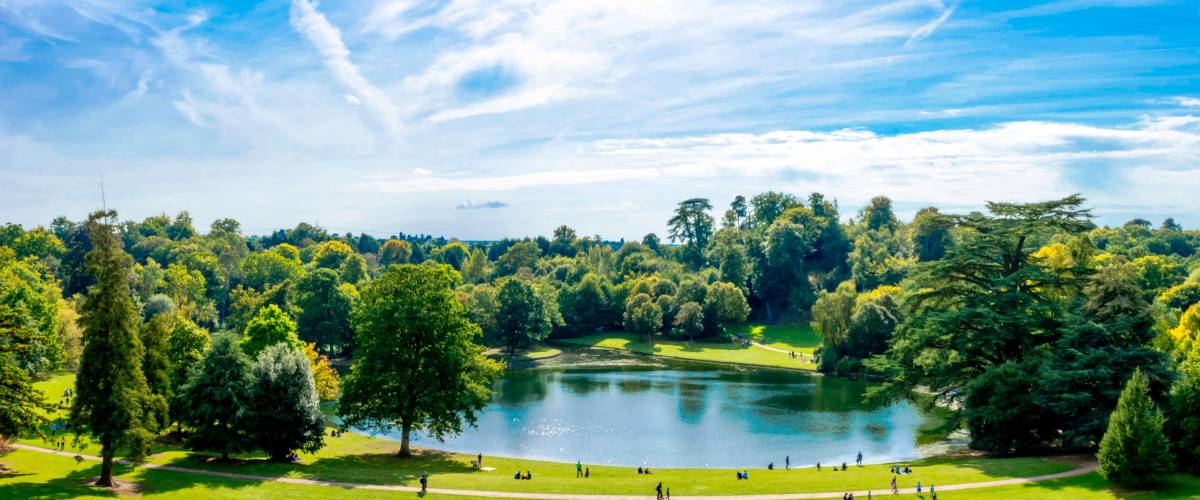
336,433
858,461
896,469
643,470
743,474
526,475
659,490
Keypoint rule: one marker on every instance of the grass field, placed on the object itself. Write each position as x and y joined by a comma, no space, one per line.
362,459
532,354
789,338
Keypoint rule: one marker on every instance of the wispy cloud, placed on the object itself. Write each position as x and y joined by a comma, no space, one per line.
310,22
927,29
481,206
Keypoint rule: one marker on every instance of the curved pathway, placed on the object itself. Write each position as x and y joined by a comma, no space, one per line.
1079,471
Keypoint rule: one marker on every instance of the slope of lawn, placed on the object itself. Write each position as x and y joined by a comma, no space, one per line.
784,338
358,458
534,353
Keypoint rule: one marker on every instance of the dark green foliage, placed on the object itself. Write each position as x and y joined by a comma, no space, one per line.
931,234
416,365
1183,417
878,214
324,311
113,403
284,413
21,406
693,226
185,349
1134,451
156,364
585,307
218,396
521,319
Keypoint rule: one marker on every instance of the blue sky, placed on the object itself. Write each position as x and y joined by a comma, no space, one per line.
491,118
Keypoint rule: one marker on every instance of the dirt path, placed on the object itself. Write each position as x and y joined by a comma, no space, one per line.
547,496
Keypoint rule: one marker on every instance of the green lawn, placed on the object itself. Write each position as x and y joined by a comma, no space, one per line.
532,354
799,339
361,459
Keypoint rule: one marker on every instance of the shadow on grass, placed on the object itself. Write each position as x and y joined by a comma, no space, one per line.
373,468
72,485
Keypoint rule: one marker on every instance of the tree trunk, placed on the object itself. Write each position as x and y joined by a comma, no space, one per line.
106,466
406,429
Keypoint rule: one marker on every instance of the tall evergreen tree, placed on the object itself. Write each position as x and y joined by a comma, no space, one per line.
113,402
218,396
284,412
1134,451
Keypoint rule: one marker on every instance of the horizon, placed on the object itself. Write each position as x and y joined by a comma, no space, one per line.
485,120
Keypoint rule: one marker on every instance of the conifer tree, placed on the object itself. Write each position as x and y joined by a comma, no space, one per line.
156,365
1183,421
284,411
217,396
1134,451
112,402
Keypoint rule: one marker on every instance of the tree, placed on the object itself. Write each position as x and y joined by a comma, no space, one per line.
782,274
1186,335
564,241
476,268
324,311
768,206
156,363
332,254
284,412
1134,451
832,315
643,315
523,254
185,349
693,226
931,234
521,319
584,306
417,365
454,253
269,327
21,406
324,376
878,215
217,398
1183,419
263,270
113,402
738,207
987,302
394,252
724,304
689,321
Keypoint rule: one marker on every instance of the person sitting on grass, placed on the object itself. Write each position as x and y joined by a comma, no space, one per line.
771,466
528,475
517,475
640,471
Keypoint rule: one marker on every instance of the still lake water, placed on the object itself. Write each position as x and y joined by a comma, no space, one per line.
608,408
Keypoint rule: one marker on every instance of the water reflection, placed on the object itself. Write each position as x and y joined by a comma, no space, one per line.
605,408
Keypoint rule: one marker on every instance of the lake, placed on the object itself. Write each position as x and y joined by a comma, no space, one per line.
604,407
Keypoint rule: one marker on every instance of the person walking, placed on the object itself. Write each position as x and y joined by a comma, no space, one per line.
659,491
932,492
578,469
479,460
859,458
424,482
668,493
918,486
787,462
895,490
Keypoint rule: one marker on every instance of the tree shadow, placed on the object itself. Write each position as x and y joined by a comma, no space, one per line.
72,485
372,468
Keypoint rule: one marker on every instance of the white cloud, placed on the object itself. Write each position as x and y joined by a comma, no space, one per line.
1188,102
927,29
1011,161
327,39
352,100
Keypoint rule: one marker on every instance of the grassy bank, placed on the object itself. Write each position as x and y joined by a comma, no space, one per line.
800,339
